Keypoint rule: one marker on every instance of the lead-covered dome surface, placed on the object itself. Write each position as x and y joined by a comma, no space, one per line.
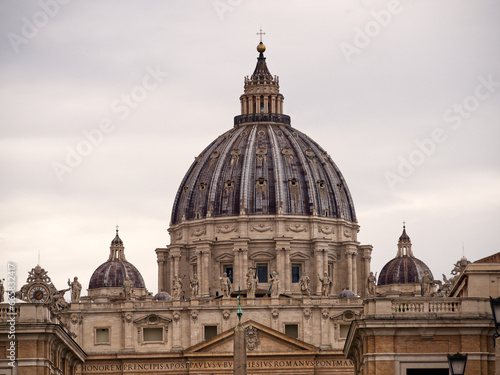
403,270
113,273
263,168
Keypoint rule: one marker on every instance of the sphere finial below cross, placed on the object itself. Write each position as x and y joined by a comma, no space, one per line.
261,47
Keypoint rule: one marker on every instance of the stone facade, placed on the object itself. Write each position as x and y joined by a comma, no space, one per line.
35,341
479,279
263,214
413,333
398,334
314,245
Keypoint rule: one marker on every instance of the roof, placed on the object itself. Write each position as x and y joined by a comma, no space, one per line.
113,273
495,258
403,270
262,166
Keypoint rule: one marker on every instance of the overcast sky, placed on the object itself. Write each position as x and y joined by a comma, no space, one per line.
405,97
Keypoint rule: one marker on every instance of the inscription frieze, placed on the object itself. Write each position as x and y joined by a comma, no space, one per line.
175,366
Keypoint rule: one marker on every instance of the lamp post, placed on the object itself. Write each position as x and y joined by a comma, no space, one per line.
495,309
457,363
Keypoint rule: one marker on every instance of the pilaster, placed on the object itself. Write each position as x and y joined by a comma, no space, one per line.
240,251
320,253
204,248
282,248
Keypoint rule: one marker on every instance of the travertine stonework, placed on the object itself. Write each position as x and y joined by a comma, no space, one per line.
265,215
263,196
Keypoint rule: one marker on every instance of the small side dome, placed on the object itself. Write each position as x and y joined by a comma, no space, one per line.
163,296
404,268
347,293
113,273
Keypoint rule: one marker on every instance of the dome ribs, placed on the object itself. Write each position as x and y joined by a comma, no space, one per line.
246,173
324,195
404,268
263,166
254,169
301,172
111,274
181,208
278,170
217,182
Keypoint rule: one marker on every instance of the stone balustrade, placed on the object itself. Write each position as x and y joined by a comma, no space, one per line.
426,307
420,306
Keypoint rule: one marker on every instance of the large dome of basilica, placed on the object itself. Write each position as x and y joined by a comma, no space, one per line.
264,197
263,165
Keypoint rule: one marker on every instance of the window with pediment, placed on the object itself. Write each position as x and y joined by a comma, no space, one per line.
152,329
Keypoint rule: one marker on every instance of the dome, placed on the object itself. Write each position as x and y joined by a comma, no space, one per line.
404,268
262,166
162,296
113,273
347,293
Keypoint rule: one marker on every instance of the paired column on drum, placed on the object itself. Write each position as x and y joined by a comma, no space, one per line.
320,262
367,256
352,271
240,263
174,256
163,274
203,255
283,265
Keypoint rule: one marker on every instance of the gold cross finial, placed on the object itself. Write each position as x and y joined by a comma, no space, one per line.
117,229
404,224
261,33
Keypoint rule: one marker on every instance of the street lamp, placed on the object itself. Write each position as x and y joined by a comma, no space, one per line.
457,363
495,309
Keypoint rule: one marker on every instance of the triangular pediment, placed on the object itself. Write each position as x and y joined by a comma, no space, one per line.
298,256
225,257
259,340
261,256
152,319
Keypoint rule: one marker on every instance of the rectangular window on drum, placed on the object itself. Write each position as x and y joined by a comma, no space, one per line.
262,272
229,271
296,272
